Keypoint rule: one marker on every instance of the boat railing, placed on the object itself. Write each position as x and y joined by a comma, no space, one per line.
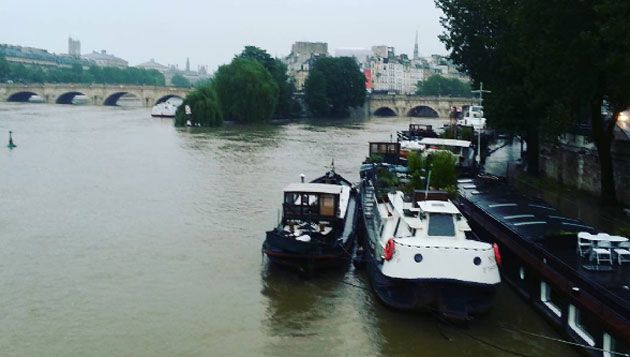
370,209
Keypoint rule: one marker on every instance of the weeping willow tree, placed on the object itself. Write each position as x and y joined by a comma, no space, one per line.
205,108
247,91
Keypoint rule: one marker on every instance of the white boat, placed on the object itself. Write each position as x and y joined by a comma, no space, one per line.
421,254
473,116
462,149
164,110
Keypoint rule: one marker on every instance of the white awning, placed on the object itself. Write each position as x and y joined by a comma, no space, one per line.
438,207
445,142
314,188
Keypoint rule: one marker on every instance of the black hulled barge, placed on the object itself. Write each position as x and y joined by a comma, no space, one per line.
317,229
588,299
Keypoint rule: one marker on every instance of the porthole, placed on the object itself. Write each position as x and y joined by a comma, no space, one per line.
477,261
417,258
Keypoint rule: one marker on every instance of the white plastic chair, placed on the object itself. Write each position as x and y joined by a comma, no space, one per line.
584,245
603,252
623,252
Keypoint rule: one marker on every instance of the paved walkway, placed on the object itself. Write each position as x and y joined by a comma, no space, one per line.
570,202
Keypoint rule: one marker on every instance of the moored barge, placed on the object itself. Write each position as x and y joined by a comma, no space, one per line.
418,250
588,299
317,229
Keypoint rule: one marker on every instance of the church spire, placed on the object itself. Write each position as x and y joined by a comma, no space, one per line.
415,47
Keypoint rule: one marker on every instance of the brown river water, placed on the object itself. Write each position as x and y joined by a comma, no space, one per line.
121,235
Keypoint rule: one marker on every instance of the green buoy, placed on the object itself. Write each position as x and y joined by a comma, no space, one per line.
11,144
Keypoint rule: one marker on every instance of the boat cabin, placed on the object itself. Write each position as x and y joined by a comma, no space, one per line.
428,214
315,202
390,152
421,130
473,111
457,147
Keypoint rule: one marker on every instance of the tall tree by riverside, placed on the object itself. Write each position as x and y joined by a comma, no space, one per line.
481,38
549,64
286,107
246,90
333,86
205,109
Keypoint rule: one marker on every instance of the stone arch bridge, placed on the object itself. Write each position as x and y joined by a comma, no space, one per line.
414,105
98,94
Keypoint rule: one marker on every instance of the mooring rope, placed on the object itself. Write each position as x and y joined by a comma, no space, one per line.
511,329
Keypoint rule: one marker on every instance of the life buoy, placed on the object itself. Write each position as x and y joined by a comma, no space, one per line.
388,251
497,253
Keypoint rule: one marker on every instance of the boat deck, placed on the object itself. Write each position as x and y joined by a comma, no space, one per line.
543,230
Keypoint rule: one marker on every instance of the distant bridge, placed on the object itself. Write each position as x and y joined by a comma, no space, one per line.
414,105
97,94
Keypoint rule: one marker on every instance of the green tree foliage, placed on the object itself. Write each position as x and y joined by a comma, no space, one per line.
457,132
247,91
278,70
416,165
333,86
4,69
443,170
180,81
20,73
548,63
437,85
204,106
482,40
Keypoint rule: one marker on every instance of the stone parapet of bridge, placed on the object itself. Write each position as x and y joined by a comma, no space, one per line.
405,105
98,94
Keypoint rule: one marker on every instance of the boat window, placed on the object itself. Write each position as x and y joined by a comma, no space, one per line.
327,205
441,225
291,198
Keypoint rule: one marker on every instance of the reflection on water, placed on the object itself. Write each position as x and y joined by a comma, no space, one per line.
121,235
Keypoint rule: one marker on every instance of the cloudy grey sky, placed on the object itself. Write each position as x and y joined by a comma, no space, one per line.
211,32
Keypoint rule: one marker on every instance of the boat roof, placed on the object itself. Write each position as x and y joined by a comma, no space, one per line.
438,207
446,142
541,226
314,188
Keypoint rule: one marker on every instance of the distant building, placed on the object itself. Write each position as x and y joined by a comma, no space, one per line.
400,74
103,59
171,70
416,55
391,73
301,58
361,55
151,64
382,51
31,56
74,47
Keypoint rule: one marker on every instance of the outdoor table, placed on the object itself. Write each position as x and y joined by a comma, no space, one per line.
602,237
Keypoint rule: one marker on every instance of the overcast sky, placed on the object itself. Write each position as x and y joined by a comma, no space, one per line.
211,32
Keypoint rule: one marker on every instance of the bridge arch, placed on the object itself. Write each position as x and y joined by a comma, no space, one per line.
167,97
66,98
112,98
385,112
423,111
22,96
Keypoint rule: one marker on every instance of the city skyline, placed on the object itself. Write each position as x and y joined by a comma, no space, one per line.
143,34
